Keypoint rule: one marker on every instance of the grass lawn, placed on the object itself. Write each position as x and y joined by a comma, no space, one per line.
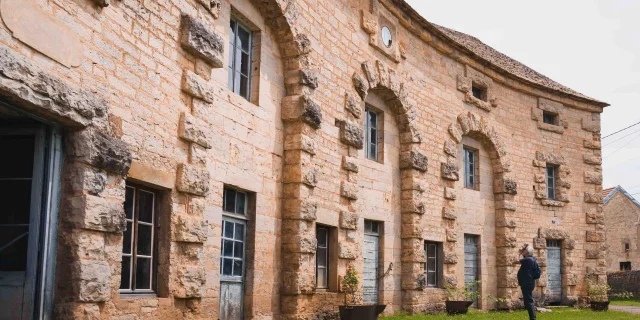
557,314
626,302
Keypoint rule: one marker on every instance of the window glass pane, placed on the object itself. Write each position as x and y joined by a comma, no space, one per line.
125,276
143,273
373,136
322,237
367,226
239,235
229,200
126,238
237,267
322,278
228,230
128,203
227,248
374,226
431,250
227,267
373,119
431,264
240,202
232,29
373,151
238,249
144,239
243,38
431,278
145,206
244,86
322,257
244,64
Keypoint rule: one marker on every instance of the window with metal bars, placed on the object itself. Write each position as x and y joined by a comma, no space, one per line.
433,265
322,257
479,92
471,168
240,37
551,175
549,118
372,132
139,241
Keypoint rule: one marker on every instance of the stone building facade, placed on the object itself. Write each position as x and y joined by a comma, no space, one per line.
228,159
622,228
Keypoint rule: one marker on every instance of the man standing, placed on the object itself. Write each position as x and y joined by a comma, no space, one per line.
526,280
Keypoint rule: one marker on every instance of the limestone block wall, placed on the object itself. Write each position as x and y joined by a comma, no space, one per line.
621,217
150,95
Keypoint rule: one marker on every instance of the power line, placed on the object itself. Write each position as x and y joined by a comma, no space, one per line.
622,146
620,138
635,124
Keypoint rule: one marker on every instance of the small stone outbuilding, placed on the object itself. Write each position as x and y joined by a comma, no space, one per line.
622,227
229,159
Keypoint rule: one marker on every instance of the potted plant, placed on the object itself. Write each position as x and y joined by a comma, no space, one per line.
598,295
353,310
460,298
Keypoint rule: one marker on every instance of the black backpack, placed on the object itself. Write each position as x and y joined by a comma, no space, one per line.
535,271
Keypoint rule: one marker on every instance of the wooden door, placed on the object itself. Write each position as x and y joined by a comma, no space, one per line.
554,271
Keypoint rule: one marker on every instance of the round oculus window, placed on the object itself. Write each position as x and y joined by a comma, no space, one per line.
386,37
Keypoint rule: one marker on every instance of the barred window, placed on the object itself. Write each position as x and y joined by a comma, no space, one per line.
433,265
139,241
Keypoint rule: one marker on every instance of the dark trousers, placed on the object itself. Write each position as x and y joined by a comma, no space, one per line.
527,296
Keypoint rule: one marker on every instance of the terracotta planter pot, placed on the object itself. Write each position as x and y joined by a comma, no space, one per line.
370,312
458,307
600,305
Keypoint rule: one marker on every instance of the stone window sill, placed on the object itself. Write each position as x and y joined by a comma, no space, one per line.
552,203
138,295
551,127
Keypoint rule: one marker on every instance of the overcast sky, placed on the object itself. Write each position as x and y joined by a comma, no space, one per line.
589,46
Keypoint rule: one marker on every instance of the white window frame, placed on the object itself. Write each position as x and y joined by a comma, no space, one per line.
326,249
471,168
551,173
234,51
133,255
369,127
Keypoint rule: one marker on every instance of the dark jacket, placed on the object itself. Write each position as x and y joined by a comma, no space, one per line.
524,274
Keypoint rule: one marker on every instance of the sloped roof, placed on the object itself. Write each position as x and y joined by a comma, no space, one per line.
615,190
606,192
497,59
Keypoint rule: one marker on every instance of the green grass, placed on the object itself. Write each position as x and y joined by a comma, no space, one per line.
626,302
557,314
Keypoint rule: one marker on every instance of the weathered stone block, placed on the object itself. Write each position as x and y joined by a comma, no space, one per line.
353,105
300,244
47,94
189,282
555,234
593,177
99,150
190,130
449,213
595,254
193,179
201,41
197,87
351,134
539,243
349,190
450,193
450,171
188,229
569,244
85,178
298,209
592,144
590,197
296,282
348,220
96,213
450,149
552,158
347,251
300,142
412,206
413,160
452,235
506,185
90,280
450,258
350,164
595,217
301,108
213,6
591,125
595,236
592,159
369,22
361,85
